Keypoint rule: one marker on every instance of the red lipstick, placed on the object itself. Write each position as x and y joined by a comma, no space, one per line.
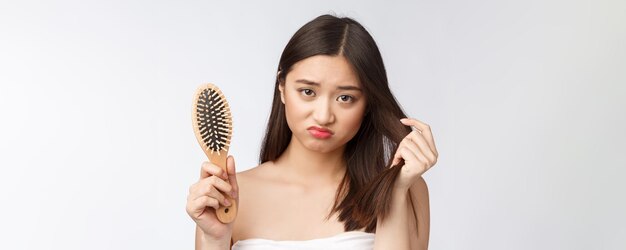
320,133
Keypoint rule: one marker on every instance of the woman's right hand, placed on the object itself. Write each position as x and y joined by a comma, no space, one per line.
206,196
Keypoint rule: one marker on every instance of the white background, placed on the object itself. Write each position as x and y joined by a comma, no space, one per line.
526,100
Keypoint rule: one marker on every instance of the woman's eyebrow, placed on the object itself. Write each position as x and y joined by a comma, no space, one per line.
307,82
349,87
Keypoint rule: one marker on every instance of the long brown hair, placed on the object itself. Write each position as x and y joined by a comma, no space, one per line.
364,194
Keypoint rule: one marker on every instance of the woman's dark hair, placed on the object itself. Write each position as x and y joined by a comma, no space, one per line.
366,189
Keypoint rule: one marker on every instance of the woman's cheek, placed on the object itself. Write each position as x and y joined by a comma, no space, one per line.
295,110
353,120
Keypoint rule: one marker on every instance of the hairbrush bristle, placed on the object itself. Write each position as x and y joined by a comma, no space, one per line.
214,120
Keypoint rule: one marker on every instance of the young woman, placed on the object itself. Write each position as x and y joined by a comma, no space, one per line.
340,165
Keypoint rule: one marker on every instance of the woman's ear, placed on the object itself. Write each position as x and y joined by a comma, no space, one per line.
281,88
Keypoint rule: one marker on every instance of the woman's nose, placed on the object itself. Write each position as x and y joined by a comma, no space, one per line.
323,114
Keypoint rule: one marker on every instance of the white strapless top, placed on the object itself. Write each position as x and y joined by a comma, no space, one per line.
356,240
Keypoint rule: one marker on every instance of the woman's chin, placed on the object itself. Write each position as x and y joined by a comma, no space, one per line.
322,147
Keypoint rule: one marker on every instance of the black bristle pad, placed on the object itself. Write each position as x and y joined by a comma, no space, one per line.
213,116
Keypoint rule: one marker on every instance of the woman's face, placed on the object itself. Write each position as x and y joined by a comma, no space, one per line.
324,102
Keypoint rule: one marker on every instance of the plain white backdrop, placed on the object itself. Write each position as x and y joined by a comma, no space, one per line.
526,100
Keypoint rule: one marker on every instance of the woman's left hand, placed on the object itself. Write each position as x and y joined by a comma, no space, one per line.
417,150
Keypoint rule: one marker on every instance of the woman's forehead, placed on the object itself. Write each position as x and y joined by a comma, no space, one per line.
324,71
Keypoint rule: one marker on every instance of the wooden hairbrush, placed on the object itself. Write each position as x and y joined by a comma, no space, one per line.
213,126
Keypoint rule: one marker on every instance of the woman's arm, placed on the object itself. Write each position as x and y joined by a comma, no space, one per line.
407,226
409,218
393,232
203,244
420,215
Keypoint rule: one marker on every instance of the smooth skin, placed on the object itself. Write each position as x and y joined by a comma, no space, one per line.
320,91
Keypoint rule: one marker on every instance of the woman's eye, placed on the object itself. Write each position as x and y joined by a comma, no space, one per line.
307,92
345,98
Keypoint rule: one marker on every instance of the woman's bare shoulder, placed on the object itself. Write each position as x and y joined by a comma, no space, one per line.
254,174
254,182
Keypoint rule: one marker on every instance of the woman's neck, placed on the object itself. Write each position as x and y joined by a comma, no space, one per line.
304,166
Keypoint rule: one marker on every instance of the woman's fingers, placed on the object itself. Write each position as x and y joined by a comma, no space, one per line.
415,149
410,152
424,129
410,157
213,187
419,141
207,169
401,154
196,207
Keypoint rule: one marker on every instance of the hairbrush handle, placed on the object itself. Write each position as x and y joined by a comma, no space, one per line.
224,214
213,127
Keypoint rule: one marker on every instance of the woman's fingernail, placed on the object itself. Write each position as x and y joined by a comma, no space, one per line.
233,194
226,202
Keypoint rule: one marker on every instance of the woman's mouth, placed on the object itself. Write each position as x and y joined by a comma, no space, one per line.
320,133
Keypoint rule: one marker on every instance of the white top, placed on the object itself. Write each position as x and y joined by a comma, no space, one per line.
356,240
